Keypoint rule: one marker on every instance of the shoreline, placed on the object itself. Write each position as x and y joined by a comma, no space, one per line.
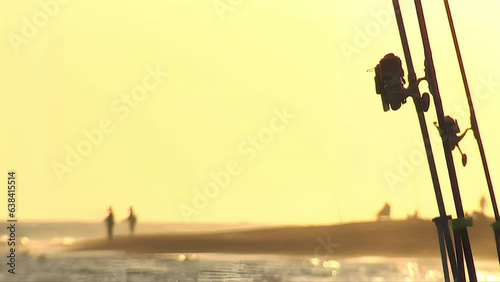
397,238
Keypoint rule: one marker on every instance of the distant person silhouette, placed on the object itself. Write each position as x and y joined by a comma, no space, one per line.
384,213
110,222
132,220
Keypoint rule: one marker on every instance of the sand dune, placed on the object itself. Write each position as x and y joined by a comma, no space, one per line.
386,238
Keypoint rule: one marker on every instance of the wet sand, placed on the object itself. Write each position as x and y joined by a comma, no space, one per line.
401,238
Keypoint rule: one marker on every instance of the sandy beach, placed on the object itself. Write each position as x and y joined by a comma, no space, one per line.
399,238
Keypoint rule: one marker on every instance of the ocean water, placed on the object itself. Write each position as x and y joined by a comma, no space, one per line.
43,257
117,266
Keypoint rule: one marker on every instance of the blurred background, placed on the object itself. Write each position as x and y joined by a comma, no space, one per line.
141,103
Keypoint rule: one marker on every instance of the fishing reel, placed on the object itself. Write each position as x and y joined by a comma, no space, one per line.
452,130
389,84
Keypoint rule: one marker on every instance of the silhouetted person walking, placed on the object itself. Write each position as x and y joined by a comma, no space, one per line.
110,222
132,220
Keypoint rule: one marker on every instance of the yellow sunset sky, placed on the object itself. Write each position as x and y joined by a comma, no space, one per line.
233,111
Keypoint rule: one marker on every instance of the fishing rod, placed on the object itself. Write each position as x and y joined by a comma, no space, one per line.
475,128
421,105
389,83
459,225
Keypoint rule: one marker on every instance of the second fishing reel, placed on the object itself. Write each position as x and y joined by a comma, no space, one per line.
452,135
